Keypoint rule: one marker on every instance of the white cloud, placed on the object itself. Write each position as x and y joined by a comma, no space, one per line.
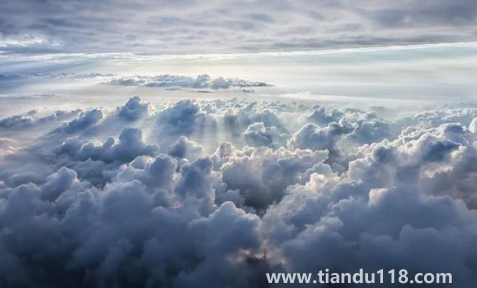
168,81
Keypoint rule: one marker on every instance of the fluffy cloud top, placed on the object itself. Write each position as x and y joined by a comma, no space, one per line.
134,109
96,202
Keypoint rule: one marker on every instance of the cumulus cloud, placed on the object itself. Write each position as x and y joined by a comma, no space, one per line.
259,135
313,137
83,121
184,148
34,119
339,189
16,121
167,81
238,121
262,175
134,109
182,118
129,145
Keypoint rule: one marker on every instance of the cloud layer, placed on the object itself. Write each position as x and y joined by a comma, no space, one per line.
168,81
191,26
136,196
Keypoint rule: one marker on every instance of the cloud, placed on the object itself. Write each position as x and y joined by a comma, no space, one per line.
262,175
7,146
83,121
101,204
9,77
238,121
168,81
28,96
312,137
58,183
35,122
188,26
420,13
182,118
184,148
259,135
134,109
129,145
16,121
155,172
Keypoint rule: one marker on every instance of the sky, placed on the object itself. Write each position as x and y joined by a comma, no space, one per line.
399,77
201,144
193,26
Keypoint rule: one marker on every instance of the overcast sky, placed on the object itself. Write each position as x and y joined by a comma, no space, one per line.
193,26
